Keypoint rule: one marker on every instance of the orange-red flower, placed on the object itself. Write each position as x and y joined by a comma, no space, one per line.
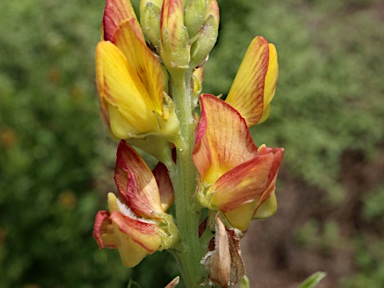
136,223
237,178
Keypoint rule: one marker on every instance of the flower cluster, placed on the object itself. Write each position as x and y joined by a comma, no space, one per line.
140,68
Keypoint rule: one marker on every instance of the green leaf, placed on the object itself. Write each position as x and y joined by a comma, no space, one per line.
312,280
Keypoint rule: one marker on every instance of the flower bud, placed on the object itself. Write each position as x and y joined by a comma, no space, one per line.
174,49
208,35
150,12
194,16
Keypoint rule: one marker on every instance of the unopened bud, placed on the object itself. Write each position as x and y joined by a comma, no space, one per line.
195,13
150,12
174,49
207,39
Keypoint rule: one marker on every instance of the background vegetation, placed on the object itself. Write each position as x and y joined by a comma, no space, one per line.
56,161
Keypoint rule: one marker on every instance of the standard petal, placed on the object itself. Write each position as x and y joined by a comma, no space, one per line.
222,141
136,184
248,89
120,87
103,231
129,39
116,11
165,185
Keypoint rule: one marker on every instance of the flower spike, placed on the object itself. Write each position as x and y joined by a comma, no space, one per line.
254,86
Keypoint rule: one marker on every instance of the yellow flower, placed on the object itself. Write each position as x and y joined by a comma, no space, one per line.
130,81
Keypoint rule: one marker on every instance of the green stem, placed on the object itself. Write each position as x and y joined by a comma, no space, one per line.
184,182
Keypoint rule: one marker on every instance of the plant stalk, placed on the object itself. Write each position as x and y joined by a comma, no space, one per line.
184,183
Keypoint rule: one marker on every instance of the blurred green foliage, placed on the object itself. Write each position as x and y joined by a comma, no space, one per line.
57,164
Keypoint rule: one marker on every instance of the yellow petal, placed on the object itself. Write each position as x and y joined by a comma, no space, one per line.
271,77
129,39
122,89
135,239
255,82
266,209
241,216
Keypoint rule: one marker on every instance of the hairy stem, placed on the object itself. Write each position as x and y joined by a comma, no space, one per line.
184,182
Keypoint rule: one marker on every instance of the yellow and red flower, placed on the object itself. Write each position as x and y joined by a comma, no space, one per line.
130,80
136,222
236,177
255,83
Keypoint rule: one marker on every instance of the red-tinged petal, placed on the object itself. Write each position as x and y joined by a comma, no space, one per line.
247,92
116,11
103,231
241,216
145,234
243,184
222,141
129,39
165,185
129,105
136,184
135,239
